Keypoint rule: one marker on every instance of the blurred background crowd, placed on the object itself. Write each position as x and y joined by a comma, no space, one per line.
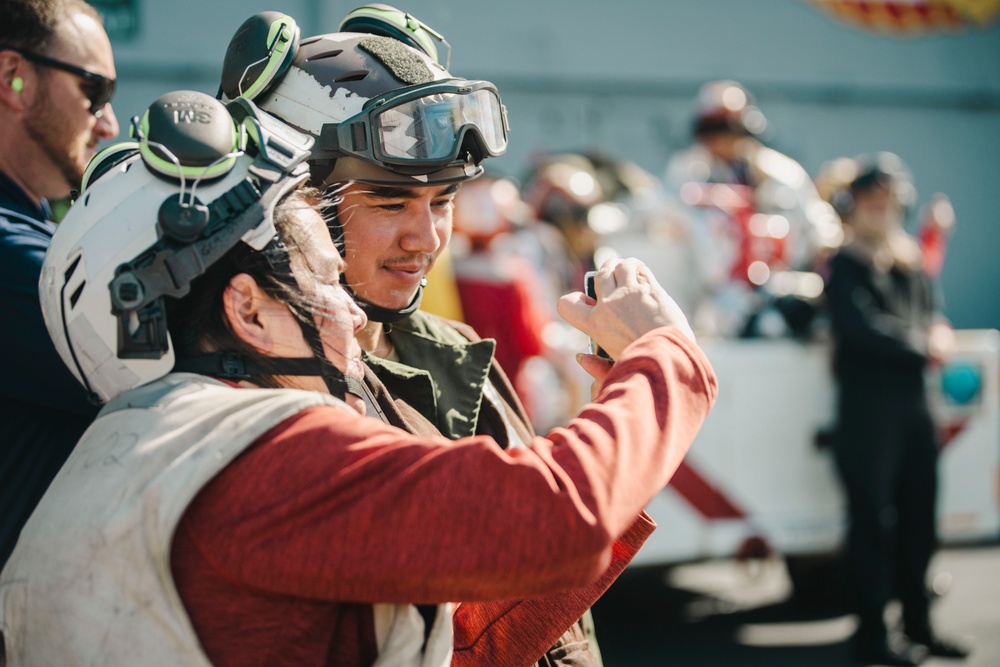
712,149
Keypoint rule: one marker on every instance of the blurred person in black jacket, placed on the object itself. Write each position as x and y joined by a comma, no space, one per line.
886,328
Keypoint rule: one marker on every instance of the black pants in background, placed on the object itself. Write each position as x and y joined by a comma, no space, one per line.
886,452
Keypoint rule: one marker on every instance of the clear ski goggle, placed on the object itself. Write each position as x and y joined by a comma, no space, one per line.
429,125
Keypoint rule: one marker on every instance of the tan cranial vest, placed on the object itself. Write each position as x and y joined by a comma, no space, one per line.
89,582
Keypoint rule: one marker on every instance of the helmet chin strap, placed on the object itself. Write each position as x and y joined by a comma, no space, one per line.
377,313
232,366
338,383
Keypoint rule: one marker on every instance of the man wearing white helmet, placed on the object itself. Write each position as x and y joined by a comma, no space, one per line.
396,135
231,505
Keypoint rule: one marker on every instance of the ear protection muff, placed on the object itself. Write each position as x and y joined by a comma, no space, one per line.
187,136
17,84
387,21
259,54
183,135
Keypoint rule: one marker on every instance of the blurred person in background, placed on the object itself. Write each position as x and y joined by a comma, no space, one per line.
588,197
757,225
395,169
57,76
588,207
887,328
501,294
562,190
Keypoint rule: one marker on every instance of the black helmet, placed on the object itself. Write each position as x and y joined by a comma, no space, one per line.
886,169
840,180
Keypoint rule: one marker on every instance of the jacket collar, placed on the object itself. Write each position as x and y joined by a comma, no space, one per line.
448,386
12,197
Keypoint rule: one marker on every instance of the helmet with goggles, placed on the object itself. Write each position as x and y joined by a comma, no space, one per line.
381,111
154,214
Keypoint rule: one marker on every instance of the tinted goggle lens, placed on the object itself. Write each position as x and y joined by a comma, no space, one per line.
433,127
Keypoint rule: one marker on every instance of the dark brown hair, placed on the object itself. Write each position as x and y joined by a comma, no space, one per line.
30,24
197,322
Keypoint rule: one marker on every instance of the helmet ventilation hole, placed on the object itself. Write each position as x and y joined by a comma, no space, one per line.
72,268
325,54
356,75
75,296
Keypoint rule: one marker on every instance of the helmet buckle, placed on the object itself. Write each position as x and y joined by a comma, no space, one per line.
234,367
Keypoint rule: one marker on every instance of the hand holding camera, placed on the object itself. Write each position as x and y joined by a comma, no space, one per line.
627,303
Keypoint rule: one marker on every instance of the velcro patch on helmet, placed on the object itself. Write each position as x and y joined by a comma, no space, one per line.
400,59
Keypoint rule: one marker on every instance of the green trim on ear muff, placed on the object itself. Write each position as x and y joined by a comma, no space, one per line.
17,84
149,147
106,159
379,19
281,40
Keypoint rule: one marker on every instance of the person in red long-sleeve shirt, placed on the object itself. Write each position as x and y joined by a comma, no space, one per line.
235,507
377,515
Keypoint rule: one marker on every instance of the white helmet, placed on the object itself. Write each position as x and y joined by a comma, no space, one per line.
154,214
727,107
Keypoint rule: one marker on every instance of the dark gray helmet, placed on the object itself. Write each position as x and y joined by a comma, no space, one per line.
381,111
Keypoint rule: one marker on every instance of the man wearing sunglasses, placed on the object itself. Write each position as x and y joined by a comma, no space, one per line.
396,135
57,77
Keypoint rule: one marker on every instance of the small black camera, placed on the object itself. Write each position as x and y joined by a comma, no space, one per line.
588,289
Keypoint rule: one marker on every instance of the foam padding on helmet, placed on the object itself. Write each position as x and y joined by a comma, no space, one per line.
398,58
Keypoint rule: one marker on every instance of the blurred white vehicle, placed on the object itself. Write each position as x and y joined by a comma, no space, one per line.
758,480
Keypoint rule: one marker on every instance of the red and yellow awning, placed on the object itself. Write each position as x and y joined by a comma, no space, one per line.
913,16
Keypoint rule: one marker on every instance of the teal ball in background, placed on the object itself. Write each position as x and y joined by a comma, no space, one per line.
961,382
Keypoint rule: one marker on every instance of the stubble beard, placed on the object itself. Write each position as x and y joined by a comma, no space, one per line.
44,126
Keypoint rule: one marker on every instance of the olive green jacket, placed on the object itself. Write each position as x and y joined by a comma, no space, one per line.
439,382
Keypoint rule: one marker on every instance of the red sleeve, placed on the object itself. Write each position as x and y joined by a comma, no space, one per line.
509,632
331,505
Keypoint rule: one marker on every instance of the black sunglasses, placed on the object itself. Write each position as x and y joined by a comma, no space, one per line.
100,89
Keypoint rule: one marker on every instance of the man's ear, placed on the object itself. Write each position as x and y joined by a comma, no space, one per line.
244,304
12,81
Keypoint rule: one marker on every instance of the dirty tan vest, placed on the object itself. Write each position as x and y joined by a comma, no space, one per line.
89,582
